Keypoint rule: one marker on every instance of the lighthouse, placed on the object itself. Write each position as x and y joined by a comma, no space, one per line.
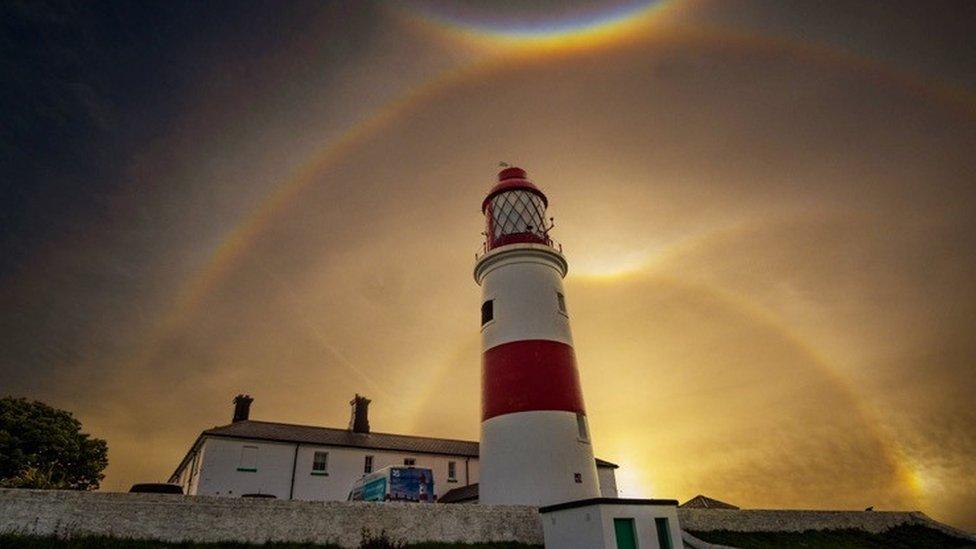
535,439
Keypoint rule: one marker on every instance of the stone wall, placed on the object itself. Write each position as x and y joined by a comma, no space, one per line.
201,518
758,520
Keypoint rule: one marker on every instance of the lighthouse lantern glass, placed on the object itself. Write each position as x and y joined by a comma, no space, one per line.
516,216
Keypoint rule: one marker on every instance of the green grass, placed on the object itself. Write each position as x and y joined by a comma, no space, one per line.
906,536
17,541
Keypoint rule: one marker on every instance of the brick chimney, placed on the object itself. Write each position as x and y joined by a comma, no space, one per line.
359,421
242,407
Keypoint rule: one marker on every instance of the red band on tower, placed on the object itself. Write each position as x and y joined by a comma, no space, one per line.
530,375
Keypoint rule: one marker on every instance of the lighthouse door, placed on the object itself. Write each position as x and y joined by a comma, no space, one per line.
624,530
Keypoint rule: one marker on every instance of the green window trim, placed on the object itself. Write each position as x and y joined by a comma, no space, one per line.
248,469
320,473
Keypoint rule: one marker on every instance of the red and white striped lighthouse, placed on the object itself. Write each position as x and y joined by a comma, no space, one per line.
535,442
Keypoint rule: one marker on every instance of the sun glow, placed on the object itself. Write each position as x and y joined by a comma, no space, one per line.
608,265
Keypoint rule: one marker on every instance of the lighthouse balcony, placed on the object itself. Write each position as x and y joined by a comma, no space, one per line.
518,238
549,254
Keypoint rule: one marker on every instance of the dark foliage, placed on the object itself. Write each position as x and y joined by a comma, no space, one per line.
906,536
104,542
380,541
43,447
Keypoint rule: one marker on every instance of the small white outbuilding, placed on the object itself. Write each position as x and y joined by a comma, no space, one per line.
612,523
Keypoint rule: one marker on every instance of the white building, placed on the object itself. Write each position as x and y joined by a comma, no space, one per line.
319,463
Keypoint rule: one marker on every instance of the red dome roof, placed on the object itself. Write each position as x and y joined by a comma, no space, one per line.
511,179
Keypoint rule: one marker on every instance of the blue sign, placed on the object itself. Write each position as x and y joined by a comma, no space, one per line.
375,489
411,484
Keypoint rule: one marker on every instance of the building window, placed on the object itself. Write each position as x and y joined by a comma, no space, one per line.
561,301
320,463
487,311
249,459
578,478
663,533
409,462
368,465
584,434
452,471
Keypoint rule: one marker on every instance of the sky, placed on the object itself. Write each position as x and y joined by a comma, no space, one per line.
767,208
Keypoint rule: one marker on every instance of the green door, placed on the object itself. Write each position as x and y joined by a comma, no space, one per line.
626,536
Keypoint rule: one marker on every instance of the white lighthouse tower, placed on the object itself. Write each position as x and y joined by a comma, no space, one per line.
535,441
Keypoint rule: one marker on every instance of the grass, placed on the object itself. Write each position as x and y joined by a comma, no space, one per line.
18,541
906,536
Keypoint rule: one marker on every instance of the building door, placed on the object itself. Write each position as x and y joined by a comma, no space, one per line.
626,536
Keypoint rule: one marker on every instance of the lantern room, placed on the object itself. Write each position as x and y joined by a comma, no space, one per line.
515,211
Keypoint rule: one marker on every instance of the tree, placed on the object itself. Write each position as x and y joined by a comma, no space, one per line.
43,447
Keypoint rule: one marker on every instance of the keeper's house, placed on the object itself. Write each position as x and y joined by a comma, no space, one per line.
306,462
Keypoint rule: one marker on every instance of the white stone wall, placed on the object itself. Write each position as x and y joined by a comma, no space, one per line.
221,457
220,476
213,519
572,528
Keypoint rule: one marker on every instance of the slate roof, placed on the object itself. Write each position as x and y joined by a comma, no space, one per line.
286,432
327,436
461,494
705,502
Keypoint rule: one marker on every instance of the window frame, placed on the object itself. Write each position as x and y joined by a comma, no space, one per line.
409,462
452,471
368,464
487,306
324,471
561,304
246,465
582,428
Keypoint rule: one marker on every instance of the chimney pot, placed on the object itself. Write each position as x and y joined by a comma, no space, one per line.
359,421
242,407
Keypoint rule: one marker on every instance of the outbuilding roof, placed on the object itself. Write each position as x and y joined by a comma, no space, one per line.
705,502
461,494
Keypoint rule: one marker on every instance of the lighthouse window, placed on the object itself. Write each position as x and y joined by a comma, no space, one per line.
518,212
487,311
562,302
581,427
